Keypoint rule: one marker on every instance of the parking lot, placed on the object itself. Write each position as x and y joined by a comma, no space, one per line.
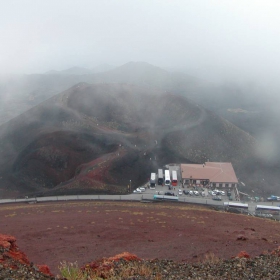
194,192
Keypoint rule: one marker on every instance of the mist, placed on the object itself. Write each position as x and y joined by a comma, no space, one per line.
214,40
231,47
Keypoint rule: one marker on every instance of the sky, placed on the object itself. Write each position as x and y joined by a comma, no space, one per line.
210,39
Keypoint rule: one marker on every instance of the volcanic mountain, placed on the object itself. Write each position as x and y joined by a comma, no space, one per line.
95,138
20,93
258,117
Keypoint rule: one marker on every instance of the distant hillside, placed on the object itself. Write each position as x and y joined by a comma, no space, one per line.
102,68
76,71
95,138
145,74
20,93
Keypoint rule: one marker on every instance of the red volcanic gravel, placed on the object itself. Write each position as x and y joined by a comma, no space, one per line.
84,231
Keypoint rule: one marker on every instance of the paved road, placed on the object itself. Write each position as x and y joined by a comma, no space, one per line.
148,194
130,197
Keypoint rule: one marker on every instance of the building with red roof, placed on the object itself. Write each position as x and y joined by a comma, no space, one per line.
215,174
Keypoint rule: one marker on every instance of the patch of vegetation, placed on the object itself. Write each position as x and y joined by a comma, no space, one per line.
127,270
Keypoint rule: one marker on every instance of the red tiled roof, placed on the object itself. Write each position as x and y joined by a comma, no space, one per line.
216,172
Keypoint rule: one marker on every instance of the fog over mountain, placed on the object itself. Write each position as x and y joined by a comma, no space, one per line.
93,138
244,105
210,39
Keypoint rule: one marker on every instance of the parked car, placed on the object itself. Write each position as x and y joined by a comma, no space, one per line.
264,215
142,189
269,215
222,193
137,191
273,198
217,197
202,193
228,193
185,191
169,193
191,192
180,192
196,192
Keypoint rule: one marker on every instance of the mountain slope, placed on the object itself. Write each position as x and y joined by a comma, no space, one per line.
20,93
95,138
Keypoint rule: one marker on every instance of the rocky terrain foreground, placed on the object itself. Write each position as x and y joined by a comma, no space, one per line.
14,265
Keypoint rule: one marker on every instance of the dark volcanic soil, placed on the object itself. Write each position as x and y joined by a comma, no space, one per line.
83,231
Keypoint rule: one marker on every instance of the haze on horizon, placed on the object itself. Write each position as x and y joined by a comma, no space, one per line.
214,40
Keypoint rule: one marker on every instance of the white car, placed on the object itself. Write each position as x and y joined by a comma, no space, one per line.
180,192
222,193
191,193
137,191
196,192
142,189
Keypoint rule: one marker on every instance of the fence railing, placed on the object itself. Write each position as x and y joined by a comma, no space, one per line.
130,197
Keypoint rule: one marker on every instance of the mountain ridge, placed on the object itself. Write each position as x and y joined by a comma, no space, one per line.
46,145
